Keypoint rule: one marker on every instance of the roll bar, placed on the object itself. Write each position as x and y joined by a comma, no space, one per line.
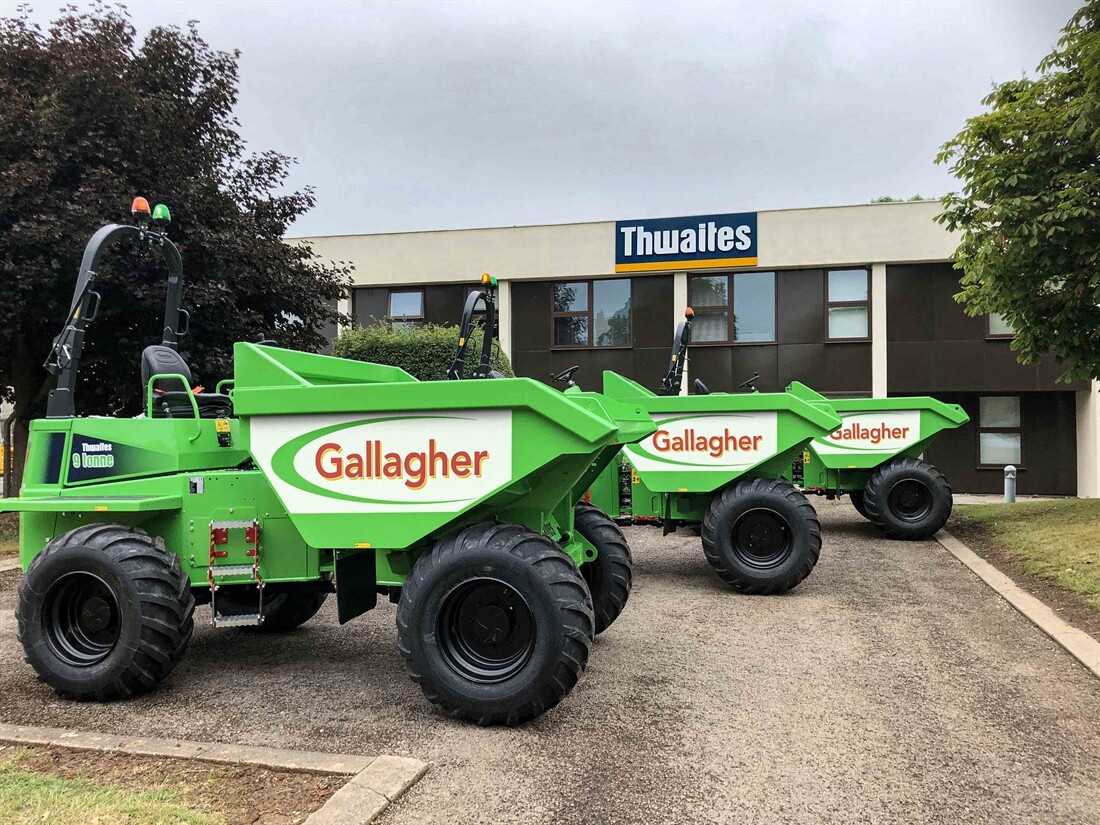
64,358
487,297
674,378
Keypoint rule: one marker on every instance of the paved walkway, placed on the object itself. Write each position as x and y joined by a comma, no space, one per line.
892,686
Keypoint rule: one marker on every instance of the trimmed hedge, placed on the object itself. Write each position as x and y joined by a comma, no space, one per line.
424,352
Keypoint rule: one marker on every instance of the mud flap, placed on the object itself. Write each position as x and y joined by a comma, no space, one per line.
667,524
356,584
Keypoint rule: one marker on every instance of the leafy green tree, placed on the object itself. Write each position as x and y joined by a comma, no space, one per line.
91,117
1029,209
891,199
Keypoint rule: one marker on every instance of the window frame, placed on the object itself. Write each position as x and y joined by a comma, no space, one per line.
990,335
404,318
589,315
866,304
1017,430
731,320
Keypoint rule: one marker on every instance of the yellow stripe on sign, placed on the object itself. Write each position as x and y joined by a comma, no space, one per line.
362,545
672,266
100,508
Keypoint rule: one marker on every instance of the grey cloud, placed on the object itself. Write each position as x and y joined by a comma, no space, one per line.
413,116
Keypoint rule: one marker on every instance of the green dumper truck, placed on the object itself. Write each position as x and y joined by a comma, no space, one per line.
301,477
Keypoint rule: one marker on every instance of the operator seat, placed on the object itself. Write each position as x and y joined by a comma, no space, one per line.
170,395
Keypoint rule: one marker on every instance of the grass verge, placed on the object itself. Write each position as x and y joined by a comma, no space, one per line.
1058,541
28,797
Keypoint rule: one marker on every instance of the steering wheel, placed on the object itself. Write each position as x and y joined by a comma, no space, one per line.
751,383
566,377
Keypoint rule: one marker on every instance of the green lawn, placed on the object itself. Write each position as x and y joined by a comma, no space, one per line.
1056,540
9,534
27,797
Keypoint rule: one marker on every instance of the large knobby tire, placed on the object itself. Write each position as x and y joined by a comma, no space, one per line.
610,575
495,624
104,612
856,497
761,536
908,499
286,606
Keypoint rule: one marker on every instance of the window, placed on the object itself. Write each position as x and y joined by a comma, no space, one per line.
999,439
737,308
591,313
406,306
847,307
997,326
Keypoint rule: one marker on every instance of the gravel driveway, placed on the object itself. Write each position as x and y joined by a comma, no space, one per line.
892,686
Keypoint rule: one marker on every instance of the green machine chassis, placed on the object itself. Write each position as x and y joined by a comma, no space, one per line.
306,475
875,455
717,461
876,458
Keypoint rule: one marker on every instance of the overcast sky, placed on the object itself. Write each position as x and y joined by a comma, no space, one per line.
409,116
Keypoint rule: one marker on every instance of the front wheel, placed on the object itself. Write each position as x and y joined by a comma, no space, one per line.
104,612
610,574
761,536
908,499
495,623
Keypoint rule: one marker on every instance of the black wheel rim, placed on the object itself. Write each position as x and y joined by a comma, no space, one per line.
82,619
486,630
910,500
762,538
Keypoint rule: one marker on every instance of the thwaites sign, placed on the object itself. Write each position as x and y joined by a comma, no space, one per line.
698,242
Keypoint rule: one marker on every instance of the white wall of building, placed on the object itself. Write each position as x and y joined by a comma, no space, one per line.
830,236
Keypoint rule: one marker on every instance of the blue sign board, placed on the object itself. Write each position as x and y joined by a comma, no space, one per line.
698,242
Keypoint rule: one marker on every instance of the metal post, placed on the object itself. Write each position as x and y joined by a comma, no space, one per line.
1010,484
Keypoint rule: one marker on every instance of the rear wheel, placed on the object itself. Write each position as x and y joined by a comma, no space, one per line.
104,612
761,536
908,499
856,497
495,624
610,574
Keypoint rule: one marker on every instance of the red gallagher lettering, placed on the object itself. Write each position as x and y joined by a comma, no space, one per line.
875,435
415,468
688,441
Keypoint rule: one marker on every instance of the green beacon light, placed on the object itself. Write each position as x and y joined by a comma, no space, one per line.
161,214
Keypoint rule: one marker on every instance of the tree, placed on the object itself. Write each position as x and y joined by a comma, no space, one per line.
892,199
1028,209
89,118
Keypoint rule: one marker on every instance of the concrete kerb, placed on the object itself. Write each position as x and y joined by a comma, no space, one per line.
1077,643
8,564
375,781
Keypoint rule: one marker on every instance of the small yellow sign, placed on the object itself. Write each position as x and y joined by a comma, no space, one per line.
222,425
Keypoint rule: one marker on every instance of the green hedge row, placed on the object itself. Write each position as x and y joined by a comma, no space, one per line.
424,352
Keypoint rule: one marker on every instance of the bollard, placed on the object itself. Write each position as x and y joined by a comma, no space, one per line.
1010,484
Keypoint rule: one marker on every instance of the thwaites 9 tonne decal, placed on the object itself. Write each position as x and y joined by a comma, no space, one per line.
872,432
354,463
706,442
